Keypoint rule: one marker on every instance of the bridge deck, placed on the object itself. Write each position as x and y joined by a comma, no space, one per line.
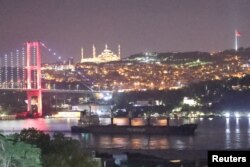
57,90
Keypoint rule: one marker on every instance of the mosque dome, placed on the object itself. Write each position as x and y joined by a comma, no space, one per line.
105,56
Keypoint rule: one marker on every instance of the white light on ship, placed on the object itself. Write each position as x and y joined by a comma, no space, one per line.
227,114
237,115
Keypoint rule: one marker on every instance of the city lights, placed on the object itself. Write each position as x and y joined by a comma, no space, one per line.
124,83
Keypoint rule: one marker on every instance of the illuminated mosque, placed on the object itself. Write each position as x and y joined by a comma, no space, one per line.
106,56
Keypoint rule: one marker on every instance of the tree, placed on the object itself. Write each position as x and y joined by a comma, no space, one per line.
58,152
18,154
35,137
66,152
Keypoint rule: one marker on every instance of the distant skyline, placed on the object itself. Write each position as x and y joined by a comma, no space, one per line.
137,25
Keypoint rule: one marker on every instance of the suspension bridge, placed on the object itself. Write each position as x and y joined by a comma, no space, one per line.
21,70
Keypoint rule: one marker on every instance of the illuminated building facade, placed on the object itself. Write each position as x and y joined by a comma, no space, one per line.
105,56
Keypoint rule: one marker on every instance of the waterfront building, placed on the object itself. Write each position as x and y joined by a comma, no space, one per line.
98,109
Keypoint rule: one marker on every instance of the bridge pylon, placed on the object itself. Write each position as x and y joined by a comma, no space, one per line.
33,66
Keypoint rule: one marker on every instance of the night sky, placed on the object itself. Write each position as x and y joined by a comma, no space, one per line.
137,25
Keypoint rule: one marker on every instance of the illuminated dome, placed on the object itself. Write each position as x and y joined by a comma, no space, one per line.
105,56
108,55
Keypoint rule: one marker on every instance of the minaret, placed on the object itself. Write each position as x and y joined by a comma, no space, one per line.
119,51
94,53
236,42
82,55
106,46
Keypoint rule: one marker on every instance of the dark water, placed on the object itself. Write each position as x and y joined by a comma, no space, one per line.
218,133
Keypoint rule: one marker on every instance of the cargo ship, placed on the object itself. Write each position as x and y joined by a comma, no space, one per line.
185,129
91,125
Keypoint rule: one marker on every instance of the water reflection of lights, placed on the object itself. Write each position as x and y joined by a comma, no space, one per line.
162,143
105,141
249,126
85,136
225,139
228,133
119,141
175,161
227,122
237,122
227,125
132,142
136,143
40,124
179,145
158,142
237,130
237,134
210,119
248,132
227,130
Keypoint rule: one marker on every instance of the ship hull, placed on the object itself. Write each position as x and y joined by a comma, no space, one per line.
186,129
